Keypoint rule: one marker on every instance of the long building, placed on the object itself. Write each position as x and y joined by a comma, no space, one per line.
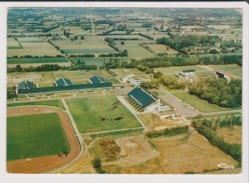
59,89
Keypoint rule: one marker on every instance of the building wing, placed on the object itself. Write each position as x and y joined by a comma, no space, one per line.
97,79
141,98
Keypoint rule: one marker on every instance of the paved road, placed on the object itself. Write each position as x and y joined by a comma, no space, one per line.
180,106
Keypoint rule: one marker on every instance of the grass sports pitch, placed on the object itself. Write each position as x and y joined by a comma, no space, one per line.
101,114
36,135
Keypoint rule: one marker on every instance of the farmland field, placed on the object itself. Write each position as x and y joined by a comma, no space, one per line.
194,155
233,69
34,136
197,103
54,103
13,44
90,44
160,48
232,135
35,60
100,114
134,48
91,60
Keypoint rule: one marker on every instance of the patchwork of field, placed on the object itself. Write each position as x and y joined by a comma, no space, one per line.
160,48
90,45
33,46
71,29
34,136
231,69
194,155
35,60
13,44
134,48
100,114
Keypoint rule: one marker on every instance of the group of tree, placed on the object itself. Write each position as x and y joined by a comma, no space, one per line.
45,67
218,91
205,129
97,165
168,132
124,53
31,56
180,42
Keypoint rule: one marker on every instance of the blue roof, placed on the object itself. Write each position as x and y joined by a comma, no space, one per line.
63,82
21,85
141,98
26,85
63,88
97,79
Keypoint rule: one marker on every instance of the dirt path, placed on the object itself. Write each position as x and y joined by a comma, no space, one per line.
46,163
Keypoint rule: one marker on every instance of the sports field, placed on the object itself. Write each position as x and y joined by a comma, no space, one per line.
34,136
35,60
197,103
100,114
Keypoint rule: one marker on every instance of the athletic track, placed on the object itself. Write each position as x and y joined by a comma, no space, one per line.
47,163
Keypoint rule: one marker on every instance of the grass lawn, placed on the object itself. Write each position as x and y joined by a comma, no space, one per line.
197,103
97,114
55,103
34,136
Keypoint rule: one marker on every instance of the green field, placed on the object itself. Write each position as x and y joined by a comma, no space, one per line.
35,60
35,136
134,49
91,60
90,51
197,103
233,69
98,114
54,103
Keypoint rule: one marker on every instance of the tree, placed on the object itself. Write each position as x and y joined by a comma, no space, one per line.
18,68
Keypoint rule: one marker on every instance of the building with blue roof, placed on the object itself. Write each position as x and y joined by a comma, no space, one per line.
24,85
63,82
97,79
142,100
